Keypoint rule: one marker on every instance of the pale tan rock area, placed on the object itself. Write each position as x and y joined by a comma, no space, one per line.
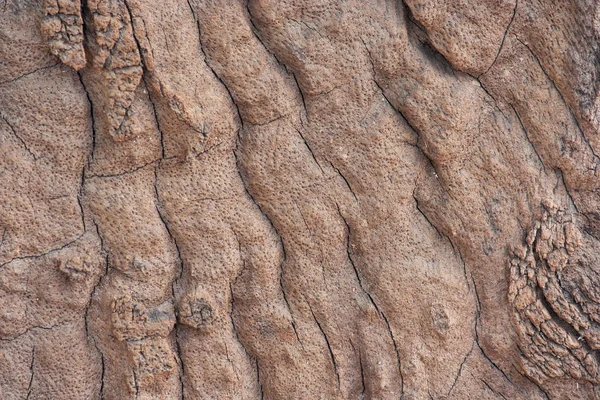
299,199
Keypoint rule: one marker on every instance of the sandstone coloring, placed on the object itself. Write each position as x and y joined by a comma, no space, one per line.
299,199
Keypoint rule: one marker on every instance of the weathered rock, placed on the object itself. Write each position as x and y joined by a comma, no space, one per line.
312,200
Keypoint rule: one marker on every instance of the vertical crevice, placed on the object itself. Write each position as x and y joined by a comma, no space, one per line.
93,294
512,18
31,370
260,386
181,364
331,355
476,329
93,121
371,299
311,151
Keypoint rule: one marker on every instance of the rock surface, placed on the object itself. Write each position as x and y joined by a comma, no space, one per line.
229,199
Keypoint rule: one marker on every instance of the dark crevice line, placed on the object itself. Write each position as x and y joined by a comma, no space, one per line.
285,299
396,350
421,150
91,104
155,113
120,174
477,318
279,237
345,180
80,196
260,386
450,66
279,117
527,137
350,259
561,177
397,110
422,36
207,62
284,67
31,328
29,387
362,375
145,69
135,383
34,256
418,207
29,73
460,368
103,371
93,293
229,360
135,38
310,150
181,364
311,28
331,355
512,18
301,97
244,183
255,31
455,248
19,138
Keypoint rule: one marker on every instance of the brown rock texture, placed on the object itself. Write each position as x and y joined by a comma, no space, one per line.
299,199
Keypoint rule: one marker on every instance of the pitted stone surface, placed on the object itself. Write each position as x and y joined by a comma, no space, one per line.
248,199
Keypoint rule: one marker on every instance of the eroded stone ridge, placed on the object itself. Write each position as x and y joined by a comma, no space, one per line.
556,301
62,28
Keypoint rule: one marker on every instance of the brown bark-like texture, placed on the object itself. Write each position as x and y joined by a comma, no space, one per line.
299,199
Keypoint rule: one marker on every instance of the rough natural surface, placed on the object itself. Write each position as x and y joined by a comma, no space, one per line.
303,199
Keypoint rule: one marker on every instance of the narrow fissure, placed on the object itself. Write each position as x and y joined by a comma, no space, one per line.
331,355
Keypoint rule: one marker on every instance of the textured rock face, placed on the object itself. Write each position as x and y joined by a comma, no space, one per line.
220,199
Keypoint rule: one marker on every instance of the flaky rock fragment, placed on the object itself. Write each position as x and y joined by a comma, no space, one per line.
62,28
555,304
115,53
